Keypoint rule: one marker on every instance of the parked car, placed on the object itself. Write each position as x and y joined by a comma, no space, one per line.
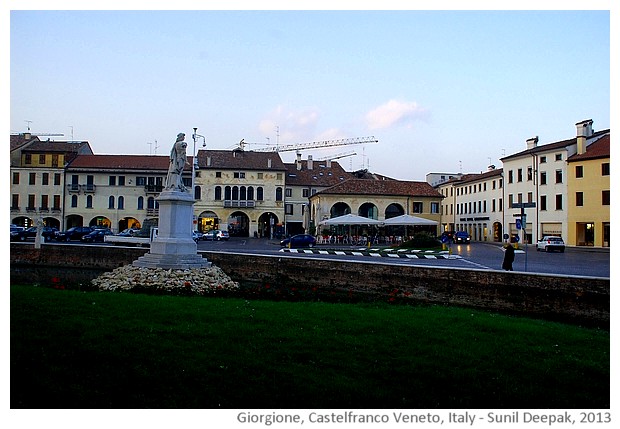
48,233
96,236
462,237
550,243
196,235
75,233
129,232
299,240
216,234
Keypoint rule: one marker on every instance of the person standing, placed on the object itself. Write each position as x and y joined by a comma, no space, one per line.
509,257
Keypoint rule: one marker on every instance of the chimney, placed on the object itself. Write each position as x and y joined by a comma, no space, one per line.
298,161
310,166
208,161
532,143
268,162
27,136
329,163
584,130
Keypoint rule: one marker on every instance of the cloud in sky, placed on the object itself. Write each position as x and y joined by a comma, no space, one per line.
395,113
293,126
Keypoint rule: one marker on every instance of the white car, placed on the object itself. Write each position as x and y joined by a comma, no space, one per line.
550,243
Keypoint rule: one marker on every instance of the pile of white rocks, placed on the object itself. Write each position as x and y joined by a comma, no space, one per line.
198,281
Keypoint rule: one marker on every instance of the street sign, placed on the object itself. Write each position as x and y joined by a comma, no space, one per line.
523,205
518,222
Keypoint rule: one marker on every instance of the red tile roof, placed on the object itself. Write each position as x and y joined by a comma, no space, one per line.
551,146
124,162
383,187
18,140
598,149
239,160
320,175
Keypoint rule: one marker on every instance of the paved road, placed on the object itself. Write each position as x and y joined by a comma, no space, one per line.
574,261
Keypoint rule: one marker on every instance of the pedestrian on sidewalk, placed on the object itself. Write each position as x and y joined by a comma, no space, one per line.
509,257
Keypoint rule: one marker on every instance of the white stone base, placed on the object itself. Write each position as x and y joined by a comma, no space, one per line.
173,248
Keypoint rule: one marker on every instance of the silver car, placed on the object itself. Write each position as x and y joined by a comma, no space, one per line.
550,243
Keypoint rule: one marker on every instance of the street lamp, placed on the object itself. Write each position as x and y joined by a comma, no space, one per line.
195,165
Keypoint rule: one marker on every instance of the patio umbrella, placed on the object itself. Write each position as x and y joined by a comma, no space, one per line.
351,219
408,220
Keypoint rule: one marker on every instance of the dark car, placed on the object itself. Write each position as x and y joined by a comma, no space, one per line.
48,233
447,236
75,233
462,237
300,240
96,236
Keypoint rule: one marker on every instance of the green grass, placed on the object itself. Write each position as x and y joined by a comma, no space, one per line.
72,349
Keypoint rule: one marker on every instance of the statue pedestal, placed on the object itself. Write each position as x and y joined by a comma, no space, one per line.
174,247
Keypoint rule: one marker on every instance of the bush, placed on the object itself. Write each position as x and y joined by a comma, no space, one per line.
422,240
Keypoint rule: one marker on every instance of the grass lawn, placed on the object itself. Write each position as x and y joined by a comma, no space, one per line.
72,349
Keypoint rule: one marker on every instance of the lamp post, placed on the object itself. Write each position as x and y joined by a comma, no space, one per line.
194,167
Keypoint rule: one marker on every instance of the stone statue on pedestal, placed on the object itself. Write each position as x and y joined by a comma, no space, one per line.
178,159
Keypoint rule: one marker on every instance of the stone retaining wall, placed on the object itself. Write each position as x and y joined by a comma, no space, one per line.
583,300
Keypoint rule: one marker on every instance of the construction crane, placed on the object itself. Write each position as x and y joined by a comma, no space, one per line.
315,145
336,156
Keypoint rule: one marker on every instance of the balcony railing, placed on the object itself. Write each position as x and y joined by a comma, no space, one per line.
74,188
153,189
239,203
89,188
152,212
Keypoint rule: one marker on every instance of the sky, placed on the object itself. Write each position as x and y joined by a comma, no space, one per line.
441,91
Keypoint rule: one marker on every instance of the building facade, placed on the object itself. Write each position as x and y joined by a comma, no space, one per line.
589,195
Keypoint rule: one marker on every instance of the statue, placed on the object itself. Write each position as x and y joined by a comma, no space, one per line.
178,159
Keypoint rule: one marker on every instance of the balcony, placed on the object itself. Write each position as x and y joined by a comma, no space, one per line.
152,212
89,188
153,189
239,203
73,188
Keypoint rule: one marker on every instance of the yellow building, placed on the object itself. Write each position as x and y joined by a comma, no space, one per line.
589,195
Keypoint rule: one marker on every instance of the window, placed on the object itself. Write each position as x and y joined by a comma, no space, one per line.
45,202
501,205
56,179
279,176
74,200
558,176
112,180
218,174
89,202
510,176
111,202
558,202
289,192
288,209
558,157
278,194
434,207
529,197
140,181
529,174
259,193
520,175
121,202
16,178
418,207
259,176
510,199
56,205
28,159
55,160
15,202
543,202
543,177
493,205
605,198
32,178
42,158
31,202
140,203
579,199
543,159
250,193
121,180
227,193
45,179
218,193
579,171
243,195
239,175
305,193
235,193
605,169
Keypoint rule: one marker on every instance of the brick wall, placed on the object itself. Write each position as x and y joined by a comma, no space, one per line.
566,298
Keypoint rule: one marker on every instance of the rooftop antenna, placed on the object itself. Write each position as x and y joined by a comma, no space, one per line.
28,122
151,146
460,167
71,126
277,136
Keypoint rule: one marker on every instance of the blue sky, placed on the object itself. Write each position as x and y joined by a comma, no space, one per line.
442,91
